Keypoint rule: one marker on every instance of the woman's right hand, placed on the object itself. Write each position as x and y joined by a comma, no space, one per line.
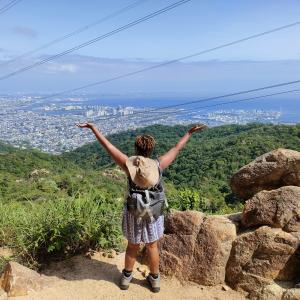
197,127
86,125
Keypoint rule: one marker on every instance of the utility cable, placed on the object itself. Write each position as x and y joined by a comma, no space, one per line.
75,32
166,114
8,6
210,98
97,39
173,61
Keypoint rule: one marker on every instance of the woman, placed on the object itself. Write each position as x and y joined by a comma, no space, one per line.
142,173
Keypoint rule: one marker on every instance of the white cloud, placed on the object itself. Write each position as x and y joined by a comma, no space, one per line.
184,78
61,68
24,31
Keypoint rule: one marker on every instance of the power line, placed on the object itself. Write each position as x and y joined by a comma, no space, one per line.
8,6
174,60
77,31
210,98
234,101
97,39
251,98
223,103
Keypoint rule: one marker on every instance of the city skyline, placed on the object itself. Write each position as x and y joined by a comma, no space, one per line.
50,127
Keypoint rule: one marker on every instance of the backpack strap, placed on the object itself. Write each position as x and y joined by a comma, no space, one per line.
159,168
160,178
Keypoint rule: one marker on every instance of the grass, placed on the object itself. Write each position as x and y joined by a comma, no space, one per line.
36,231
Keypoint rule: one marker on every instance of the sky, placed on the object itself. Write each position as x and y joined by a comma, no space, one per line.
191,27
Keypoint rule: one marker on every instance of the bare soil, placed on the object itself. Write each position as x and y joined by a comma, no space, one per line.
82,278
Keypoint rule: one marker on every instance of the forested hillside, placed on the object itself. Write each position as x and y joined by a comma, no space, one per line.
33,175
203,167
208,160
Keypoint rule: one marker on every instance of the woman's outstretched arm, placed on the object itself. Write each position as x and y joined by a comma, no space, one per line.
166,159
118,156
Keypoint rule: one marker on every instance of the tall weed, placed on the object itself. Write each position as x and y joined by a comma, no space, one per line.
39,230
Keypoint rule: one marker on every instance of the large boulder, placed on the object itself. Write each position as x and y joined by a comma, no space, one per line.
186,222
17,280
178,242
270,171
278,208
212,250
195,247
259,257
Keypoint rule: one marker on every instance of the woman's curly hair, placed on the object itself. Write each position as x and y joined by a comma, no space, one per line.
144,145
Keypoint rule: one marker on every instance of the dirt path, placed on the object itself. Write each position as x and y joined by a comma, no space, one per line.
81,278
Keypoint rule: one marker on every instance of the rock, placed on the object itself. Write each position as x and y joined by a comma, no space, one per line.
196,248
176,254
17,280
278,208
270,171
187,222
272,291
235,218
90,253
225,288
39,173
144,270
258,257
291,269
112,254
6,252
212,250
96,255
171,265
291,294
178,243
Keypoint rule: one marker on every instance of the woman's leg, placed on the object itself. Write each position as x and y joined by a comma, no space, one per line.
130,255
153,255
130,258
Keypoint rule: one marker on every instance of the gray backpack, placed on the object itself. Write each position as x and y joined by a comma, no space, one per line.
146,204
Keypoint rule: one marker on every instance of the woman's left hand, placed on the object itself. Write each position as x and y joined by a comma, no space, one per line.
85,125
197,127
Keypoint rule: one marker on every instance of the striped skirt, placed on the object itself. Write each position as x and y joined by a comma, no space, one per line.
141,231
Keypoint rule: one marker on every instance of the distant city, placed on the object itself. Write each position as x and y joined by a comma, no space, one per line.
49,125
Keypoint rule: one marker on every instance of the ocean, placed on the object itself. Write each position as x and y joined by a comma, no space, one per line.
289,108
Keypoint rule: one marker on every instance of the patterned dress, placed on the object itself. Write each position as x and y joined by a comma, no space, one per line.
141,231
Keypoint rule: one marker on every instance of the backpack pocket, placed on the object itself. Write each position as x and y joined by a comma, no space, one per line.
146,204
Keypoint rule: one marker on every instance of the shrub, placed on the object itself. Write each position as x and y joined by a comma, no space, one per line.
60,227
